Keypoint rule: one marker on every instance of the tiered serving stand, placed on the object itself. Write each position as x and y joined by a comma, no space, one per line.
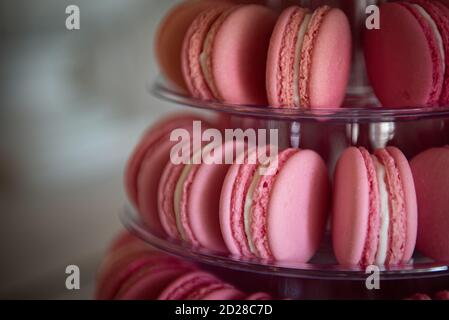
361,122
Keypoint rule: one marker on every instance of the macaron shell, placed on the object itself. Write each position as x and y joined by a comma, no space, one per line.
224,294
411,206
440,14
298,207
147,183
191,52
150,140
166,190
187,284
431,178
204,197
399,59
238,62
350,208
170,37
280,60
330,61
232,199
259,296
148,283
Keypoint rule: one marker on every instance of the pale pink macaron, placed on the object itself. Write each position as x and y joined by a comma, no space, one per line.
189,195
224,54
146,163
309,59
407,58
275,209
374,218
200,286
170,36
431,174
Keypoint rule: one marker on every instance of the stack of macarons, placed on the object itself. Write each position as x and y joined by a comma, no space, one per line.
248,54
281,196
407,59
132,270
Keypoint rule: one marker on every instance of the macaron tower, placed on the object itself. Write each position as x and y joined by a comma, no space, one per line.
407,58
309,59
275,209
224,54
374,218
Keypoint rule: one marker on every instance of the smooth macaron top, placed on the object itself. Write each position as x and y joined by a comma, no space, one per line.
407,57
277,215
374,213
220,59
431,176
309,58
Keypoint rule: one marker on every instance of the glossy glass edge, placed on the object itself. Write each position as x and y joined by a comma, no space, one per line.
133,223
370,113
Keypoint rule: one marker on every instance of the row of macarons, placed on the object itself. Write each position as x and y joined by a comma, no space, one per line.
132,270
300,58
277,209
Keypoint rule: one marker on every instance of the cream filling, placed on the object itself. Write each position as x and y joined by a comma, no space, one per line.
178,197
247,217
299,43
435,30
179,191
382,248
247,210
204,57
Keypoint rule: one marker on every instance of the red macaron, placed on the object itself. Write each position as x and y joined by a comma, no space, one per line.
407,58
431,174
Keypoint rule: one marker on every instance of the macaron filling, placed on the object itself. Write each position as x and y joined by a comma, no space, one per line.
397,229
180,201
382,248
299,45
206,54
260,202
247,211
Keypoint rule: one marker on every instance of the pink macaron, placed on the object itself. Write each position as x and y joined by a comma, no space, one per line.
170,36
431,174
150,281
375,212
275,210
189,195
144,168
200,286
309,59
407,57
116,272
224,54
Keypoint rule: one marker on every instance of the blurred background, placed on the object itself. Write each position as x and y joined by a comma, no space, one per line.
72,106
